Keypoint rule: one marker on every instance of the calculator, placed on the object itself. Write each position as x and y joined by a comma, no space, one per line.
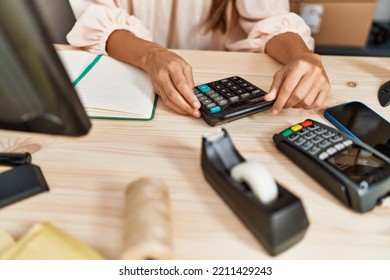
354,172
229,99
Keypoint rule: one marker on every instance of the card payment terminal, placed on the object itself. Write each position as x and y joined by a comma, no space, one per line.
355,173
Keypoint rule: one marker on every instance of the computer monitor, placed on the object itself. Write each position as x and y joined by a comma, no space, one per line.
36,94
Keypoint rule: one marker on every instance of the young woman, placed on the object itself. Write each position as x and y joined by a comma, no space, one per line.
140,31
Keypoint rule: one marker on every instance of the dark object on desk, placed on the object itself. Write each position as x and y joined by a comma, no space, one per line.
361,122
35,91
355,173
384,94
230,99
380,33
277,225
22,181
13,159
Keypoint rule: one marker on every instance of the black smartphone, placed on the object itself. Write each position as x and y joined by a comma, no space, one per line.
362,123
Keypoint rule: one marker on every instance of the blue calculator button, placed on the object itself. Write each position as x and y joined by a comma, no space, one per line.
204,88
215,109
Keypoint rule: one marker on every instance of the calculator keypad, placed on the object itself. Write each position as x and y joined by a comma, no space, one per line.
230,92
316,140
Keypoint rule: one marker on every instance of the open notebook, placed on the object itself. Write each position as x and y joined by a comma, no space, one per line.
109,88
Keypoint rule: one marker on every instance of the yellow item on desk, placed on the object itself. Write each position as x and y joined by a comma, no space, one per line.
46,242
6,241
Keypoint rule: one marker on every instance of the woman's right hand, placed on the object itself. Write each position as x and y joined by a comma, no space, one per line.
172,80
170,74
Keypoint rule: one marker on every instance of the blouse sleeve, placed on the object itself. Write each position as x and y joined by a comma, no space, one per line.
97,22
261,20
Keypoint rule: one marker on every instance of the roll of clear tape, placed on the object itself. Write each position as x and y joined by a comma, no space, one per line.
258,178
148,226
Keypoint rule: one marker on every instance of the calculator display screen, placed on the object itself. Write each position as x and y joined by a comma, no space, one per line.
357,163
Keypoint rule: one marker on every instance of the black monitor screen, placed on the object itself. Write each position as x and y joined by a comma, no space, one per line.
36,94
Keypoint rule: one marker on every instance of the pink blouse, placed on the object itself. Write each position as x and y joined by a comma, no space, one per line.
177,24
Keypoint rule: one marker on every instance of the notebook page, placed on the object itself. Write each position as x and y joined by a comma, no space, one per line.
115,86
74,62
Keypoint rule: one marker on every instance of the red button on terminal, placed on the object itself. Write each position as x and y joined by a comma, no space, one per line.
307,123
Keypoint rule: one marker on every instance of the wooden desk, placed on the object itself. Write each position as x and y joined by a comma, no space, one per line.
88,175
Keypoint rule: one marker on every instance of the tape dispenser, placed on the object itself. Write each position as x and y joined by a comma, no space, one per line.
274,215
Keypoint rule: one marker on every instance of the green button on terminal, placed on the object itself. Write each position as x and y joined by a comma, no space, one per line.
287,132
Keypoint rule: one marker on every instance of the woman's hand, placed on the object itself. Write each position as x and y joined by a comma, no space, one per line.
170,74
172,80
302,83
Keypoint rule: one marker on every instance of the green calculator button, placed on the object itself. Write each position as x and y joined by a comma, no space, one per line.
287,132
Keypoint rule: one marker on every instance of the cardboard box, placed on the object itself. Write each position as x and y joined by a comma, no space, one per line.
338,23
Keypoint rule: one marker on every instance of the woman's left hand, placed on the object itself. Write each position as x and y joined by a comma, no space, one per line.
302,83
